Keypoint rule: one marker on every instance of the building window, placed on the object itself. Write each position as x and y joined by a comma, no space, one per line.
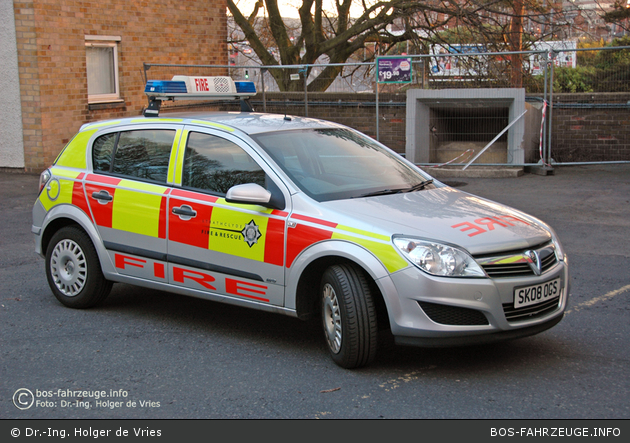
101,54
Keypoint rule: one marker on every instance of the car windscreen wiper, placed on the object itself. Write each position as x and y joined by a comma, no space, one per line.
382,192
419,186
416,187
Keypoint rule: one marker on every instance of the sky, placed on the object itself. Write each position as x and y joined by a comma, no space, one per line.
289,8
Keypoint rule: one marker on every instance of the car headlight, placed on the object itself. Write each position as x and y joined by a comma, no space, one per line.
44,178
556,243
439,259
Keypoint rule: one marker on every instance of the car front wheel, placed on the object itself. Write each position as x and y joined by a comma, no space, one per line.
348,316
73,269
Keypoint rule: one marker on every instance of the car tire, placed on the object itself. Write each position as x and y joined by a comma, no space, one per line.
74,271
348,316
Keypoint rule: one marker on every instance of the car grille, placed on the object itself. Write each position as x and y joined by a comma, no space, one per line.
453,315
517,264
530,312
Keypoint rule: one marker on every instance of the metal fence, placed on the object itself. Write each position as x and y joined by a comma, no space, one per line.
576,104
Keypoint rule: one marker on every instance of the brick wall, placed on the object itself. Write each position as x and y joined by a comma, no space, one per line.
52,59
357,111
586,127
591,127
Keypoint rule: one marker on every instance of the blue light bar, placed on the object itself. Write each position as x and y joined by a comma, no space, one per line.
185,87
245,87
165,87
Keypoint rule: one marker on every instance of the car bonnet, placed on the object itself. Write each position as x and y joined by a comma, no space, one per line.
447,215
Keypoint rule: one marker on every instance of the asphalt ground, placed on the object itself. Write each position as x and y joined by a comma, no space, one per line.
169,356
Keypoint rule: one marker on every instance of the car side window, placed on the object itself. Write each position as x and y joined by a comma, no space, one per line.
142,154
102,152
215,164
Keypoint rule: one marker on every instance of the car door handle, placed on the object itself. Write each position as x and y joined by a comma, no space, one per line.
185,212
102,196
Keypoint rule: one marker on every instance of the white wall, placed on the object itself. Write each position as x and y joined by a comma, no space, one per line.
11,141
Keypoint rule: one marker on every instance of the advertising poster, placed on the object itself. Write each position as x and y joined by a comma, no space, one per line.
394,70
564,57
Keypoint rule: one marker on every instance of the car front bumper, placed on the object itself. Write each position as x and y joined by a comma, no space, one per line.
433,311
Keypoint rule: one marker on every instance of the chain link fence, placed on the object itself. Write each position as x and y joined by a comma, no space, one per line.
575,105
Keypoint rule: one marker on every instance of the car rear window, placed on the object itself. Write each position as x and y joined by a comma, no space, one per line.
141,154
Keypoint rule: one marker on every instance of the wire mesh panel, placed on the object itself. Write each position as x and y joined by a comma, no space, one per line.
591,106
577,101
460,133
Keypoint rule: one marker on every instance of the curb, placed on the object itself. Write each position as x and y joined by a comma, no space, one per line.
474,172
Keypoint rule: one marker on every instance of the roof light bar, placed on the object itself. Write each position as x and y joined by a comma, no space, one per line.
183,87
199,88
248,87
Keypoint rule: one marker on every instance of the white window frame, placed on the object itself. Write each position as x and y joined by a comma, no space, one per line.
105,41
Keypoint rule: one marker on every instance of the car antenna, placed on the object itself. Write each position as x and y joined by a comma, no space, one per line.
286,103
246,106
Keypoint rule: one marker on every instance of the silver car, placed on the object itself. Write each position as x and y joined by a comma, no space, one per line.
297,216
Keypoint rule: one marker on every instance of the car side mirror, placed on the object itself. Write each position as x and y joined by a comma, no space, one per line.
248,193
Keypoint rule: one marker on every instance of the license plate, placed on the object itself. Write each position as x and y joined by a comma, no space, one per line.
532,295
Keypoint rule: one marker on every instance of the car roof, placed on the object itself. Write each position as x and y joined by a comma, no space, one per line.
247,122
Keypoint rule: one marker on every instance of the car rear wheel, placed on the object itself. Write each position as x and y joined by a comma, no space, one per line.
348,316
74,271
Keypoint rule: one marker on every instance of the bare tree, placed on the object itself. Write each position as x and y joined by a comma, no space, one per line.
619,15
335,36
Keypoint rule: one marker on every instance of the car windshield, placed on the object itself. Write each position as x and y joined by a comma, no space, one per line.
334,164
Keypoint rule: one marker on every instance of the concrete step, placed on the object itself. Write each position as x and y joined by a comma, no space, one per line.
465,151
474,171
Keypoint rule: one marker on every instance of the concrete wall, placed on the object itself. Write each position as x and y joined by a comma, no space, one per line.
11,144
421,101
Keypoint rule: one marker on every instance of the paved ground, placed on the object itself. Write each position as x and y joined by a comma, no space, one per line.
188,358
